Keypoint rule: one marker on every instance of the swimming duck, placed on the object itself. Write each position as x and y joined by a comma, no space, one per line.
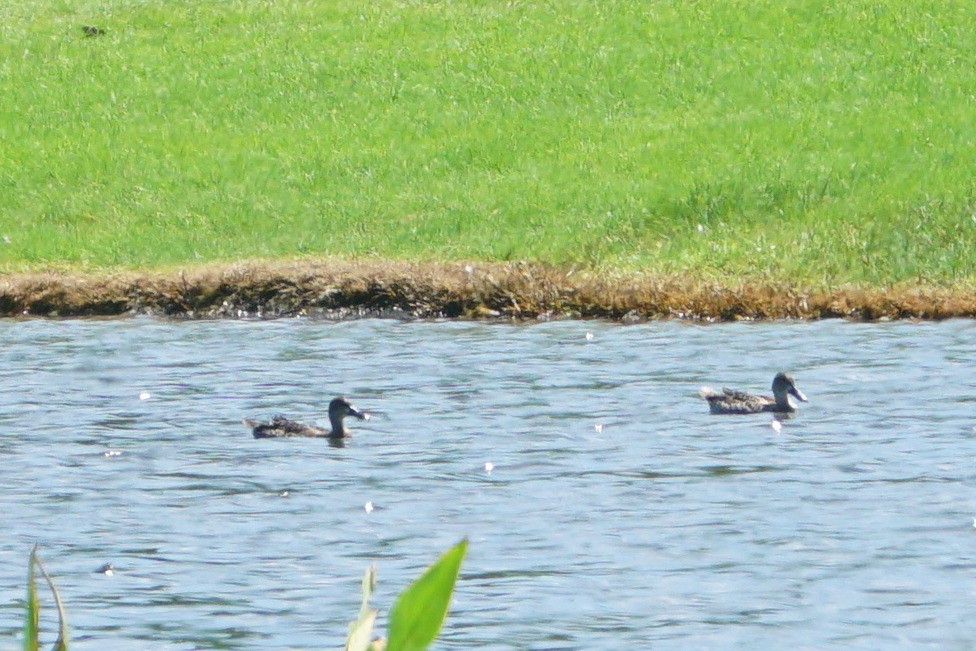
281,427
731,401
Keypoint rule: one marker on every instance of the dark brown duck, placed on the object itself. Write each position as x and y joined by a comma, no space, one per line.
281,427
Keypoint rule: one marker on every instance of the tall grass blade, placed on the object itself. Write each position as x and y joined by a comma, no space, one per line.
61,644
360,633
420,610
32,613
369,584
361,630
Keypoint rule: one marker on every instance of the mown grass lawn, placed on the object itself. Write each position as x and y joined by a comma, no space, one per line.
810,141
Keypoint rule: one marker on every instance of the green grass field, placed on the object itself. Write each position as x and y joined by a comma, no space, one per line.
809,141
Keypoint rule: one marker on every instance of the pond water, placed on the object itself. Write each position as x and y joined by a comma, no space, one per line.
618,511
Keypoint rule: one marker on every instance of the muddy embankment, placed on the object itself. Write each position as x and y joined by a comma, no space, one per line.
512,291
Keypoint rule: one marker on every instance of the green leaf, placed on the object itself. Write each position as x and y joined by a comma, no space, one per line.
32,613
31,642
369,584
61,644
360,633
420,610
361,630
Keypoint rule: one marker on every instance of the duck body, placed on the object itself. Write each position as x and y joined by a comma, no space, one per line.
733,401
282,427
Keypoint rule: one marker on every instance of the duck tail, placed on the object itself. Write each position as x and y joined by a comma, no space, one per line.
708,392
250,423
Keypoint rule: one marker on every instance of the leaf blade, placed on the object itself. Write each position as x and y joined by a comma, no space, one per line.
361,630
420,610
32,609
61,644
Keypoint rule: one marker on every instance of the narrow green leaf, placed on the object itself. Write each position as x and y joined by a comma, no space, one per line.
420,610
32,614
369,584
61,644
361,630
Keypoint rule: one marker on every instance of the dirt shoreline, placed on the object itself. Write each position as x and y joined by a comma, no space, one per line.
339,290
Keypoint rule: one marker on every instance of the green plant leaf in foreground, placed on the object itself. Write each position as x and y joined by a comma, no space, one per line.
60,644
32,616
32,612
420,610
361,630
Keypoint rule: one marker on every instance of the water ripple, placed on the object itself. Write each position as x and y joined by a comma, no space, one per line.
605,506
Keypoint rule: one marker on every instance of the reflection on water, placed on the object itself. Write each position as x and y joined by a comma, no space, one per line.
605,505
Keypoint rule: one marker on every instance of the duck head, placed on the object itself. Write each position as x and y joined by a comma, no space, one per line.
784,386
339,408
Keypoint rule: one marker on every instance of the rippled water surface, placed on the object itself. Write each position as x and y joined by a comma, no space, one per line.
618,513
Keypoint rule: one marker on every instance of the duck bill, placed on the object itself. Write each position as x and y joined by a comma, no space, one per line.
799,394
361,415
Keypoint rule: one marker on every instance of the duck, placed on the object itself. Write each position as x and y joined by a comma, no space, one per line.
281,427
732,401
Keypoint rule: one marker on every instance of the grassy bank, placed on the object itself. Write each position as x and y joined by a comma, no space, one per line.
521,292
819,143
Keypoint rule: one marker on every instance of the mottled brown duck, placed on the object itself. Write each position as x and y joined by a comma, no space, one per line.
732,401
281,427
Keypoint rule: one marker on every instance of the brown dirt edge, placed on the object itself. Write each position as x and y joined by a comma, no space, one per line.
338,290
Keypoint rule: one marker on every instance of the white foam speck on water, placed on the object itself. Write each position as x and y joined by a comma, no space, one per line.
589,336
369,507
283,494
113,453
145,395
598,428
489,466
776,425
